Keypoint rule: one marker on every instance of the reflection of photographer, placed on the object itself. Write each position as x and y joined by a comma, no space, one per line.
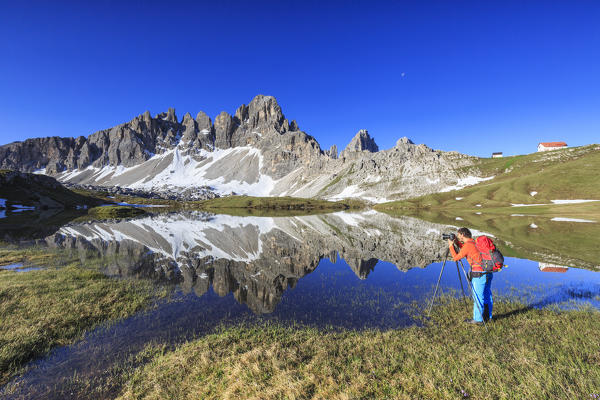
481,280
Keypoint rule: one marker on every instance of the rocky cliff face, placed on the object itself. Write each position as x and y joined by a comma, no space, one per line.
257,151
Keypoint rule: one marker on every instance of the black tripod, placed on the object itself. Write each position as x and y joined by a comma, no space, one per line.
461,286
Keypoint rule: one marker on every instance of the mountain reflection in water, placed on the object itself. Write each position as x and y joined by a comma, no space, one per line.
255,258
340,270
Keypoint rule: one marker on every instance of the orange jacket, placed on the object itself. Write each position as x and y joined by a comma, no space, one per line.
469,250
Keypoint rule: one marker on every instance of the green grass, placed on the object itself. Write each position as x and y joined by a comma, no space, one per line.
562,174
277,203
46,308
241,205
527,353
108,212
33,255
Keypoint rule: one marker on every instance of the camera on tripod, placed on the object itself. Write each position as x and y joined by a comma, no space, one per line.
448,236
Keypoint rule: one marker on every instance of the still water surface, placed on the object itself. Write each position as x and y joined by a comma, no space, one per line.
341,270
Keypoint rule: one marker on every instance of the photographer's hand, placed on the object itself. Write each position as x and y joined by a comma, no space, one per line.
450,242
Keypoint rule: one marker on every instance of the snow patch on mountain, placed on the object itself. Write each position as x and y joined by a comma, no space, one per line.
571,201
464,182
185,170
354,191
235,170
564,219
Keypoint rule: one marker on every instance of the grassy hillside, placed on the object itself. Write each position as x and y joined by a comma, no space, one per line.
572,173
39,191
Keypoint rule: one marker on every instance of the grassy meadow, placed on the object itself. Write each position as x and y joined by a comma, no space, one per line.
524,354
54,306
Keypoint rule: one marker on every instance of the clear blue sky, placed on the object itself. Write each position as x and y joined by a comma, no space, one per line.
475,77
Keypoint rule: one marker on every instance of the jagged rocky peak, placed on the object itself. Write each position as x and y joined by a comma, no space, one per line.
141,123
403,141
362,141
404,144
294,126
190,129
204,122
262,117
263,111
197,133
168,116
224,128
241,114
332,152
188,121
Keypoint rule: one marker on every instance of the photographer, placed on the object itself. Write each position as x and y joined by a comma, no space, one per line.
481,281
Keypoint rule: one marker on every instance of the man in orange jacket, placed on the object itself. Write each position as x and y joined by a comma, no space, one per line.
481,281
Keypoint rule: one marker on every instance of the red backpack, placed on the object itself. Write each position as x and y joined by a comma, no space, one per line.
492,259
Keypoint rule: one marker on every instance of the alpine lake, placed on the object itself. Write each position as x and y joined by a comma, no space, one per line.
344,270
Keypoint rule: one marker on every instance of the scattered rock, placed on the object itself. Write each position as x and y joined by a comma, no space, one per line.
187,194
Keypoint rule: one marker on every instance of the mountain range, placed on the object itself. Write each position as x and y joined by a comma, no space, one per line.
257,151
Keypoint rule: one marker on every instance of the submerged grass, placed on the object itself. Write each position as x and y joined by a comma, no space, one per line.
31,255
52,307
526,353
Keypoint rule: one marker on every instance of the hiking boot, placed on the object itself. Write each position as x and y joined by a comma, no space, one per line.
473,322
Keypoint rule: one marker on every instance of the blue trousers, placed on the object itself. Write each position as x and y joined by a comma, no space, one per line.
482,296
